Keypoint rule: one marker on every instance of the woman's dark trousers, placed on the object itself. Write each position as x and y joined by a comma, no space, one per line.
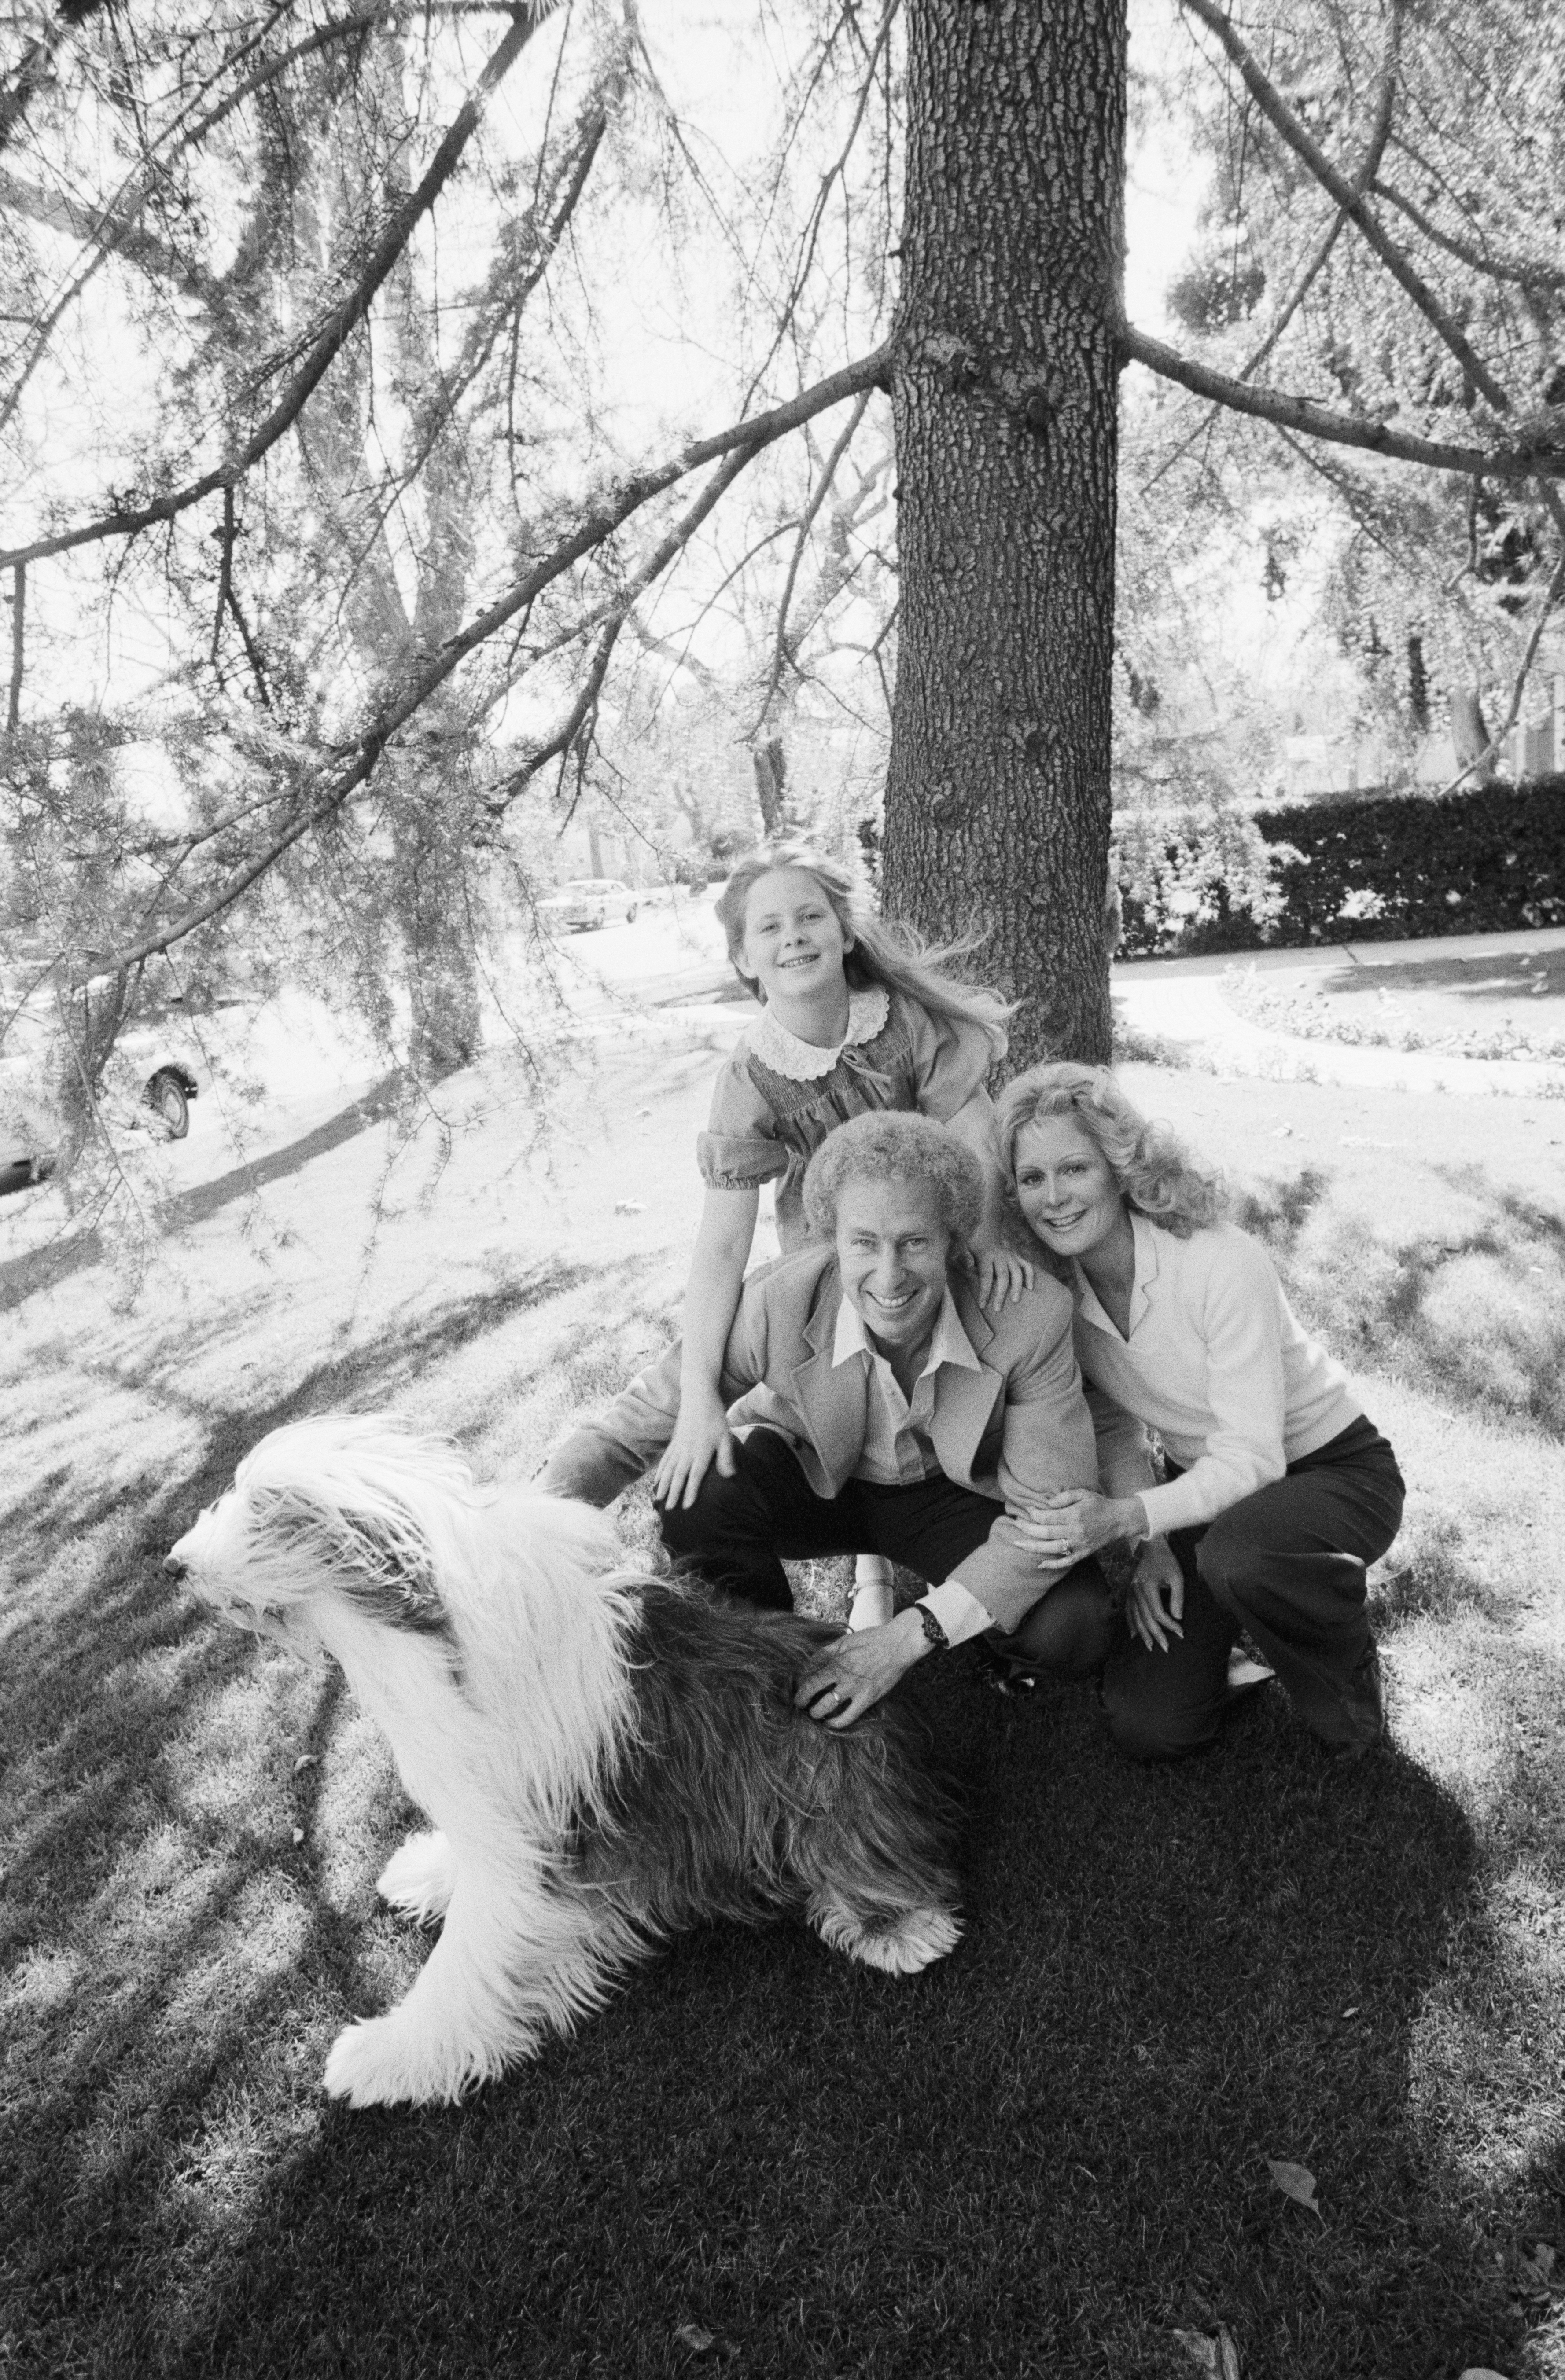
1286,1567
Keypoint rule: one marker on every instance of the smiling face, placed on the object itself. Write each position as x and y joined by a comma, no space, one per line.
892,1246
1065,1186
794,943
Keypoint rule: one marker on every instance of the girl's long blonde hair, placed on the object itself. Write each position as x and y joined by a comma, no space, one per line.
882,952
1155,1171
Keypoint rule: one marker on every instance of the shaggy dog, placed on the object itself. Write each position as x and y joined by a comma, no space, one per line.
607,1758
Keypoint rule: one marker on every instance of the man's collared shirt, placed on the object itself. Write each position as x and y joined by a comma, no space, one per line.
898,1448
899,1452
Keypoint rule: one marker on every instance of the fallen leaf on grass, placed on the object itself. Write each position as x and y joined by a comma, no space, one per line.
306,1760
1482,2372
1296,2182
628,1207
299,1834
1218,2356
699,2341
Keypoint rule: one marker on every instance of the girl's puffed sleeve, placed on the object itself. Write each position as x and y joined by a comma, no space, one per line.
951,1058
740,1148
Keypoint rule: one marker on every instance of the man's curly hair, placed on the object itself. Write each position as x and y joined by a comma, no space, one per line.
888,1144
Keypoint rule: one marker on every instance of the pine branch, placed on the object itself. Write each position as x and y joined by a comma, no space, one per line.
1520,269
19,648
1275,108
343,321
559,744
614,508
1369,166
781,655
1313,421
1491,750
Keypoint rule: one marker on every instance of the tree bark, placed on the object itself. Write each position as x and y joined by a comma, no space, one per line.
1005,404
771,767
1470,735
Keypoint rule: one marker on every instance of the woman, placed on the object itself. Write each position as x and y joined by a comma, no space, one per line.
1278,1490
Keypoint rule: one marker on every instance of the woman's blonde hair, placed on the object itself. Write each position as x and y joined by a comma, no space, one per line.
882,952
1155,1171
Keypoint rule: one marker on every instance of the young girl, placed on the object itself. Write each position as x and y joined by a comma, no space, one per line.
853,1016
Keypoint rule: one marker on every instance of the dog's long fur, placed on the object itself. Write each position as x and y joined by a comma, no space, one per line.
606,1758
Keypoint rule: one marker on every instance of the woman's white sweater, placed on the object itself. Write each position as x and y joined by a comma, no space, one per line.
1216,1364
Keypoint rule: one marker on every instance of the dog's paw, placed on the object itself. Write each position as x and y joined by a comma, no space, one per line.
917,1939
420,1877
382,2062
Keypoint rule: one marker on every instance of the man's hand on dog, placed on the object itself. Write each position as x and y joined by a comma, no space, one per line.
856,1671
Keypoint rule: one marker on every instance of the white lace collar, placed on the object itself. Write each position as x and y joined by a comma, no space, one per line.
802,1062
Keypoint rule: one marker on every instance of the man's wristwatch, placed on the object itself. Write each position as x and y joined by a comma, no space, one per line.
932,1628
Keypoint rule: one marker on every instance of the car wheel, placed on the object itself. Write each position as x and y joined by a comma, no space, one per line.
631,915
166,1097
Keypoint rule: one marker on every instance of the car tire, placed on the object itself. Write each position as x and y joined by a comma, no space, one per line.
165,1095
631,915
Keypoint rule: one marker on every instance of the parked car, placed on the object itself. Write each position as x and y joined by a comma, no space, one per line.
169,1084
589,901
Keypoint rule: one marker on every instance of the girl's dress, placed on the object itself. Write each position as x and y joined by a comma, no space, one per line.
777,1097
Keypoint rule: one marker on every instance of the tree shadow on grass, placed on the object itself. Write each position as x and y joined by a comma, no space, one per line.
151,1801
45,1267
1497,975
1043,2156
1472,1312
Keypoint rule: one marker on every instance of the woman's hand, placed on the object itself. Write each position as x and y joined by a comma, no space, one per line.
1001,1274
1156,1601
1073,1522
852,1675
702,1436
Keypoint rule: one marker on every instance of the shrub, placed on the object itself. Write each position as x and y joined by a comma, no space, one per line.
1390,868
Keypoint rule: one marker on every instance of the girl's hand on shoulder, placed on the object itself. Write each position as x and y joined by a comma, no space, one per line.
702,1436
1154,1607
1001,1274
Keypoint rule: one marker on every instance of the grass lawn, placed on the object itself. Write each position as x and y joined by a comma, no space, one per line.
1047,2155
1498,1003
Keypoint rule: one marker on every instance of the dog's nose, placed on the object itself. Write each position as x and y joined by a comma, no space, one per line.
174,1566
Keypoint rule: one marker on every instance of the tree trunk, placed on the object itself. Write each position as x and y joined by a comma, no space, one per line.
1005,405
771,769
1470,735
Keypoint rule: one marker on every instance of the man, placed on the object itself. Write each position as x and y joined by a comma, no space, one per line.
886,1415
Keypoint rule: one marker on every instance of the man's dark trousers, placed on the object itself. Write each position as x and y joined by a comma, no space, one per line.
739,1530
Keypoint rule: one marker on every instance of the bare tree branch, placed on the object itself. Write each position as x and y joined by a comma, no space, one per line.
780,654
387,248
560,743
32,71
1282,117
1520,461
55,210
1520,269
19,648
612,510
1481,759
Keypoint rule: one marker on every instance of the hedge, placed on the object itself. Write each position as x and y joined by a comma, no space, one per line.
1476,862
